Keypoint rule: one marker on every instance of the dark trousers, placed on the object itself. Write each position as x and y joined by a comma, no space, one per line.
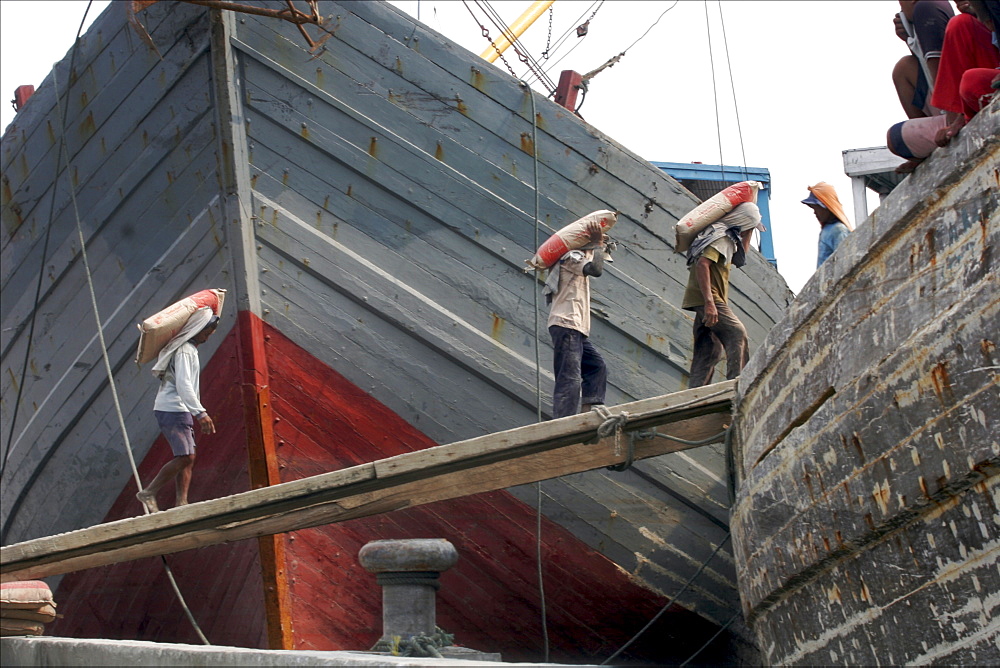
728,335
579,369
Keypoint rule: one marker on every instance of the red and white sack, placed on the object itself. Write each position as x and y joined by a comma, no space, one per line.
25,595
711,210
571,237
156,330
25,606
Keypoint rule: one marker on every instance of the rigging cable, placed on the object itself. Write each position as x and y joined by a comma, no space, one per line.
522,53
652,26
538,379
709,641
97,317
715,95
668,604
574,28
732,82
610,62
505,31
562,39
486,34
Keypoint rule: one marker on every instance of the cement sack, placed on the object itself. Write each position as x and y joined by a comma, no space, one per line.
571,237
156,330
20,627
25,595
711,210
43,614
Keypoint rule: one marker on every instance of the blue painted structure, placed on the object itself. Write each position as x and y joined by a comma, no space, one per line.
720,176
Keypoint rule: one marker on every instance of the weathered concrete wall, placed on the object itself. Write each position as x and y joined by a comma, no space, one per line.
866,527
76,652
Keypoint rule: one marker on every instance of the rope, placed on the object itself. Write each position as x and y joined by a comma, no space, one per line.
421,644
715,94
726,434
705,441
538,381
643,35
732,82
41,267
100,328
562,39
668,604
93,297
629,456
709,642
522,53
610,62
616,423
612,424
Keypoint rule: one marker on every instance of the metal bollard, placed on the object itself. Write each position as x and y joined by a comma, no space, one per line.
408,572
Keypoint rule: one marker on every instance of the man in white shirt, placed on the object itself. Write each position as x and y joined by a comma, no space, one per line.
581,375
178,405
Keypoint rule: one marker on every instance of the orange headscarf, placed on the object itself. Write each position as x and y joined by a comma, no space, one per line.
825,193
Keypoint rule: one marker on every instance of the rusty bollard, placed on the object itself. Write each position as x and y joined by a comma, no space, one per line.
408,572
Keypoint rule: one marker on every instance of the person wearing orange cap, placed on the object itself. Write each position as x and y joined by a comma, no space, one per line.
834,224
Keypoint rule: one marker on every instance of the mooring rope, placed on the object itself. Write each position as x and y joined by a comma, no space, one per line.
538,378
668,604
709,641
97,317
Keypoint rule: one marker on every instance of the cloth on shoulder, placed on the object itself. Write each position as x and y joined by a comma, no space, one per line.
195,324
724,234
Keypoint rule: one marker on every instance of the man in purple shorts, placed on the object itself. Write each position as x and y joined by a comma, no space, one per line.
178,405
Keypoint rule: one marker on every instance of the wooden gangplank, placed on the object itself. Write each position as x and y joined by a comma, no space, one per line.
523,455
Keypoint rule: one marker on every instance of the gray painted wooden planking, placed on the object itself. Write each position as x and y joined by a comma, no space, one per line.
288,121
877,510
69,391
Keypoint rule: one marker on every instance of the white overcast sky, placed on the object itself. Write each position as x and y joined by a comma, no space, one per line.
811,79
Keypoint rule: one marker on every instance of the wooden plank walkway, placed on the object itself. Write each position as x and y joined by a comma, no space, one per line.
494,461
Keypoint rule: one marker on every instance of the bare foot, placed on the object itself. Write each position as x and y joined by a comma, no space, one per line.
149,500
908,166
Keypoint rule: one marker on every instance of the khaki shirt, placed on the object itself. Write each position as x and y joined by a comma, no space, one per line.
718,273
571,303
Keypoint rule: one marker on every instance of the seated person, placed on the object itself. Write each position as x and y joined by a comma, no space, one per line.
973,68
921,24
968,45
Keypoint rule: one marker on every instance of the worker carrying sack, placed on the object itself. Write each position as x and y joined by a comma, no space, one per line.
157,330
712,209
572,237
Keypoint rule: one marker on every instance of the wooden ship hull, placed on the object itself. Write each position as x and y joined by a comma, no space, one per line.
868,435
369,206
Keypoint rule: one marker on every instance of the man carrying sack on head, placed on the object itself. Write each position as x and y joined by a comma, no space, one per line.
581,374
716,327
178,405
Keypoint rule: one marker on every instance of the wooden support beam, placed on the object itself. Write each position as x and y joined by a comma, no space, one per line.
495,461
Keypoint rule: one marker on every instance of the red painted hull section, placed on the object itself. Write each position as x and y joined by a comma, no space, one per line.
322,422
